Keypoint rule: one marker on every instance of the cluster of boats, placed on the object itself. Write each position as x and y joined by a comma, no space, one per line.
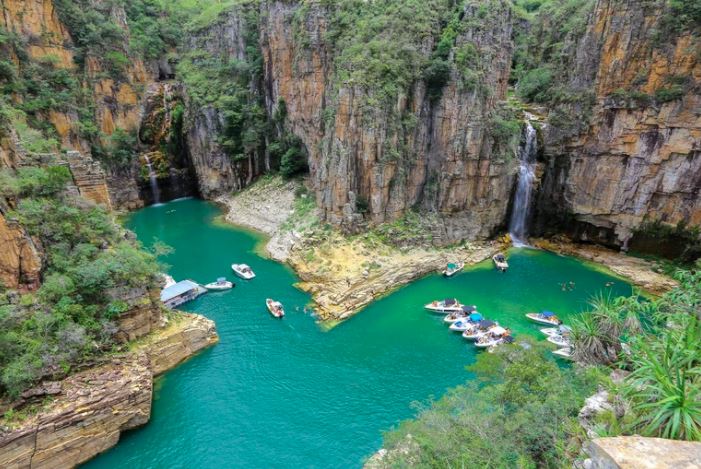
558,334
470,323
455,267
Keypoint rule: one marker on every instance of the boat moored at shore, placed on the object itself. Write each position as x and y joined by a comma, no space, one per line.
545,317
181,292
453,268
221,284
500,262
449,305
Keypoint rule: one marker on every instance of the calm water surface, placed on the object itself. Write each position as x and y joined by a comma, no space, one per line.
288,394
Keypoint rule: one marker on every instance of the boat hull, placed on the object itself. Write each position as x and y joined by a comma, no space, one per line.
218,287
441,309
540,320
559,341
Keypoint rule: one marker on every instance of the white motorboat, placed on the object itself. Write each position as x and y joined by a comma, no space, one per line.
560,330
243,271
500,262
220,284
169,281
560,340
565,353
452,317
496,336
449,305
461,325
275,308
546,317
453,268
479,329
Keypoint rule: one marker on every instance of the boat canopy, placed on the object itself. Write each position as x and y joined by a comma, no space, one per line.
221,280
498,330
548,314
469,308
178,289
450,301
476,317
485,323
451,266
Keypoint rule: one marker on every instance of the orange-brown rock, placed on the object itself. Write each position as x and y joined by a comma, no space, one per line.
38,20
93,407
639,159
20,257
365,156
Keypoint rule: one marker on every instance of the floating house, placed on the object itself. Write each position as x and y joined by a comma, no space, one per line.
181,292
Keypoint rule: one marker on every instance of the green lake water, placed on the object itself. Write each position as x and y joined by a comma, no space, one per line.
287,393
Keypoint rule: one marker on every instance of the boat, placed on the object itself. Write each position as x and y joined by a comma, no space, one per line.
462,325
560,330
449,305
496,336
500,262
560,340
565,352
220,284
181,292
275,308
479,329
243,271
169,281
546,317
467,312
453,268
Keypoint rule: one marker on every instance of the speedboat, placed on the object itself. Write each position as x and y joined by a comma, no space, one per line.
453,268
560,330
546,317
461,325
500,262
449,305
467,312
560,340
479,329
169,281
243,271
496,336
275,308
220,284
565,353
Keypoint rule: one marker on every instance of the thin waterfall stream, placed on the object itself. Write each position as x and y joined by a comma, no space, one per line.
518,225
155,191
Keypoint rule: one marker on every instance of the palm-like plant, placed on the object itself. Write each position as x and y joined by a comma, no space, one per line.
665,387
590,343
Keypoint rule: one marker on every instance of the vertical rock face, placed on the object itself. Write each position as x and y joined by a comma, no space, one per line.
20,258
640,159
215,170
367,155
90,409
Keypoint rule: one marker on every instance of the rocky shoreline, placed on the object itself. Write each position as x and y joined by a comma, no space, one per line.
636,270
87,411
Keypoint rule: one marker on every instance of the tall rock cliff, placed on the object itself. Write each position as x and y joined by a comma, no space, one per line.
427,146
639,158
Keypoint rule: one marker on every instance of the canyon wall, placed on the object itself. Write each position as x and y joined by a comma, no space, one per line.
89,410
372,160
639,158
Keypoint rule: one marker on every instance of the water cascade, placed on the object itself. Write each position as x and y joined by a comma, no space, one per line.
526,175
155,191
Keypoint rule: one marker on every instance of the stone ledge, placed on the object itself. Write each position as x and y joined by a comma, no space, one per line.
635,452
94,406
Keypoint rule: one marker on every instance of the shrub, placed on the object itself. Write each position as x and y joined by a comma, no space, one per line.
535,84
436,75
293,162
667,94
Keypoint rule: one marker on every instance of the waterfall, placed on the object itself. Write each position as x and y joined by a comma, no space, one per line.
154,181
526,175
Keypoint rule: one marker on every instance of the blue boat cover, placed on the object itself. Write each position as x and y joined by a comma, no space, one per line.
451,266
476,317
548,314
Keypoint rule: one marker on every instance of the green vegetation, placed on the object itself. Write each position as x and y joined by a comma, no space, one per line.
519,412
663,337
88,261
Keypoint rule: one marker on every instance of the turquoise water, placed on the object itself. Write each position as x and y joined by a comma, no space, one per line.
288,394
